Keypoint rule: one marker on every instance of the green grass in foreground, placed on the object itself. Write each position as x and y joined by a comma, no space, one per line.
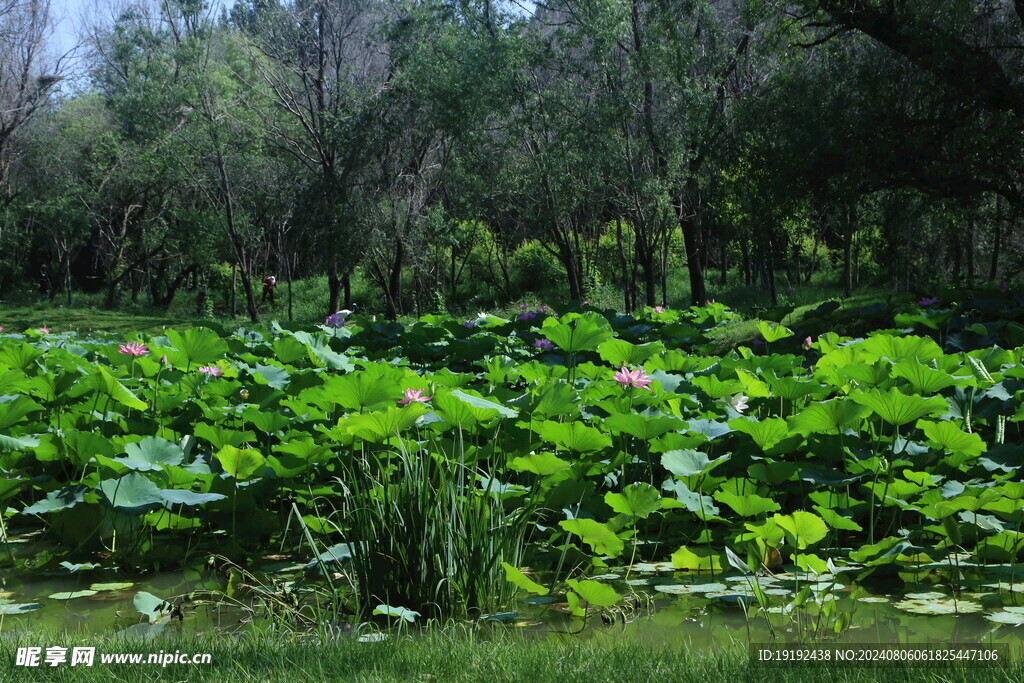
443,657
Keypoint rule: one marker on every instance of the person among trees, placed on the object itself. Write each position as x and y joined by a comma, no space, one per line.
269,283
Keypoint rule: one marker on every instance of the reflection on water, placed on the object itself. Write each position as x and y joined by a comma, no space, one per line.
664,607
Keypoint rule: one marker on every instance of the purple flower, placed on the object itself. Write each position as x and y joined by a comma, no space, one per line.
133,349
928,301
789,290
543,344
807,344
636,378
469,323
522,307
212,370
757,342
414,396
337,320
528,315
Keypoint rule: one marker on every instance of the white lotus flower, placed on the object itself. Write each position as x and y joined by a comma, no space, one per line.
739,403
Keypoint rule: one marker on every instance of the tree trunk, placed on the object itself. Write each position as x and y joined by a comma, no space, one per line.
698,292
997,241
333,289
970,252
395,284
851,221
627,284
346,286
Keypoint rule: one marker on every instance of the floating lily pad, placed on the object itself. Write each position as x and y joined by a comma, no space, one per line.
19,608
373,637
72,595
946,606
651,567
691,588
730,596
1007,586
1006,617
777,591
925,596
605,577
123,586
874,599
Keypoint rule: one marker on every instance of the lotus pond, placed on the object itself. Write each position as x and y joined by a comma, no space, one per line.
590,473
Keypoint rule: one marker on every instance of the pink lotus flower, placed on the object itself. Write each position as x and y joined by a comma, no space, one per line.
928,301
1,328
133,349
522,307
543,344
163,359
212,370
636,378
44,330
807,344
659,309
414,396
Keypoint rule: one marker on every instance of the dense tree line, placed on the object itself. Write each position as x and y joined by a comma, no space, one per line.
443,148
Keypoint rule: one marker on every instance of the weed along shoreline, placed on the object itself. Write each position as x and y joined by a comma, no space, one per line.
573,495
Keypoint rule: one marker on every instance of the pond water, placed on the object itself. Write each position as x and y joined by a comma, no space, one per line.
662,606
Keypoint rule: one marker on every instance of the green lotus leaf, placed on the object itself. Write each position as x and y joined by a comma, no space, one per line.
950,437
898,408
520,579
595,534
240,463
100,587
542,463
195,347
574,436
71,595
802,528
381,425
773,332
685,463
922,379
765,433
152,453
595,593
397,612
619,352
16,410
636,500
748,505
641,426
131,491
828,417
699,559
716,388
106,384
577,332
11,608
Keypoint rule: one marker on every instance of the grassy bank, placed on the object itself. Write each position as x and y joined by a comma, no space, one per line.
443,657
